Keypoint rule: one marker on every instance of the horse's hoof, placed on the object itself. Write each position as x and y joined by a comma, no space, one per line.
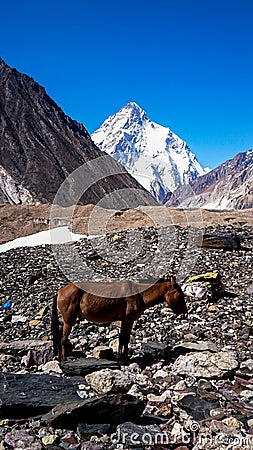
124,360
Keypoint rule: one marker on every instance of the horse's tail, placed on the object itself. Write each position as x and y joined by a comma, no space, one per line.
55,328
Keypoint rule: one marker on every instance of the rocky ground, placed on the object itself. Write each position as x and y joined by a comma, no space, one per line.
189,383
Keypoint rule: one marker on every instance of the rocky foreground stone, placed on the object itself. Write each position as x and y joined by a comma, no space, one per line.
188,384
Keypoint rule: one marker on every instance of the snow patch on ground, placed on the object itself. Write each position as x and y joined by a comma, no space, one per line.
58,235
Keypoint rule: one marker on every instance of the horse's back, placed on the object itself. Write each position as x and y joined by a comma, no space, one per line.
113,289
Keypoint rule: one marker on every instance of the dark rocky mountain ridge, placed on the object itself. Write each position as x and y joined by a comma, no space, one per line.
228,186
40,146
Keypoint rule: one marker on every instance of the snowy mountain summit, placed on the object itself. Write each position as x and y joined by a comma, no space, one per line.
153,154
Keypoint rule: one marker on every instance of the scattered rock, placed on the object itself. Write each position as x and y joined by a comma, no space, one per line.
156,350
213,308
197,407
159,407
69,440
86,430
250,423
51,367
6,358
92,446
109,381
39,357
205,364
250,289
232,422
21,347
182,447
22,439
84,366
187,347
49,439
247,367
103,352
216,435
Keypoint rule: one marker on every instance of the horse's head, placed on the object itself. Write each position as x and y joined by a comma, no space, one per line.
175,298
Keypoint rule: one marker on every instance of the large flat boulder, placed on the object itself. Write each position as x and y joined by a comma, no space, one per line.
84,366
110,408
219,240
205,364
23,346
25,395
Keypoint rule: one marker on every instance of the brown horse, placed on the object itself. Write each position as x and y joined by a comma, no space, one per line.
118,302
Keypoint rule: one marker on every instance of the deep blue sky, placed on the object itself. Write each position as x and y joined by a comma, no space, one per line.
188,63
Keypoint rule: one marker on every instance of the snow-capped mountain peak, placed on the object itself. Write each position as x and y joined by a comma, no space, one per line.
133,111
159,159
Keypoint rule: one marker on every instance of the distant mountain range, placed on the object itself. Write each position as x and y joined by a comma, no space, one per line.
164,164
229,186
151,153
40,146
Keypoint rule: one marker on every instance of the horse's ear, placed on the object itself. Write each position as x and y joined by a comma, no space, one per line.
173,280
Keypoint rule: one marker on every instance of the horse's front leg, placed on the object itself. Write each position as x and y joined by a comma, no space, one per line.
124,338
121,341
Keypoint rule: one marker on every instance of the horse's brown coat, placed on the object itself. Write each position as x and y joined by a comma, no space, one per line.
124,301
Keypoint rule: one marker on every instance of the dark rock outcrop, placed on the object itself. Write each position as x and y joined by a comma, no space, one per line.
114,408
25,395
226,241
83,366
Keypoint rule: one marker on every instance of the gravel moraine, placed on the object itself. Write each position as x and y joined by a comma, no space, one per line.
196,395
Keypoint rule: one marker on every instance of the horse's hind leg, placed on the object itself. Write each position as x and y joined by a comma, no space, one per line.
70,311
66,329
